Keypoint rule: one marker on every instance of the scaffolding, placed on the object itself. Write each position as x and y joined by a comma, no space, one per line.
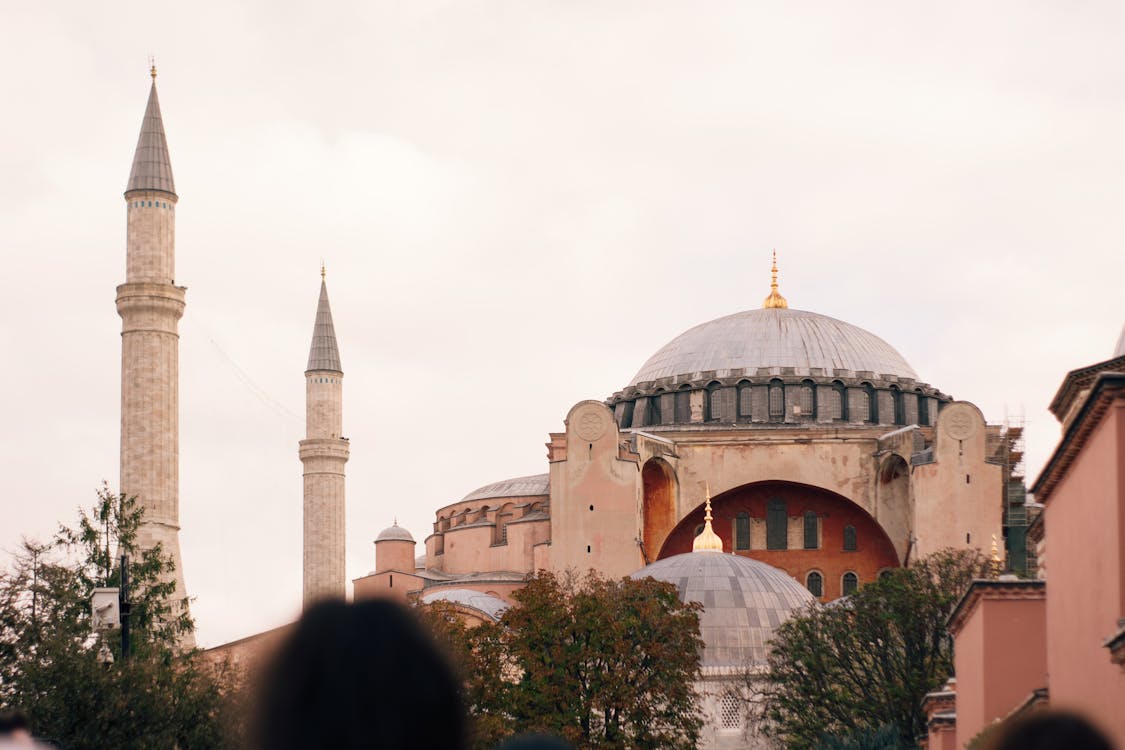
1009,455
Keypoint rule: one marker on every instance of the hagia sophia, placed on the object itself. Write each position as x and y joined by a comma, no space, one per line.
761,462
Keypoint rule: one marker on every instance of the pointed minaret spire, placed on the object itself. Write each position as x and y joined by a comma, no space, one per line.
152,169
323,353
775,299
323,452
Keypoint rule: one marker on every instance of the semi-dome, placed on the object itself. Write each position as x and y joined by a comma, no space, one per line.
773,338
394,533
744,602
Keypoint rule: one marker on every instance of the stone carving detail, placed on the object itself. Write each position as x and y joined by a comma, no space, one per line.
589,424
960,422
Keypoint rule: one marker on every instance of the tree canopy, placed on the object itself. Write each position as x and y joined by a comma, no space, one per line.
850,669
604,663
160,697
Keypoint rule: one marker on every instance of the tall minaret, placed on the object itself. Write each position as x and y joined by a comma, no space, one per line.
150,305
324,453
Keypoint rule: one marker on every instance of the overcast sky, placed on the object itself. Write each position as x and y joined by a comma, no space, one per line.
518,203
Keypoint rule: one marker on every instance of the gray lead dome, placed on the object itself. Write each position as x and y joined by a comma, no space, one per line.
744,601
770,338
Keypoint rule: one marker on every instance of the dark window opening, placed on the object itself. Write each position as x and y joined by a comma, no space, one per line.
923,410
742,531
745,404
815,584
811,541
851,583
683,407
849,539
777,401
899,408
777,523
872,403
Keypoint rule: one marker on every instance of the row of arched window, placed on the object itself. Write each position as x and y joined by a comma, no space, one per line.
777,529
814,582
809,403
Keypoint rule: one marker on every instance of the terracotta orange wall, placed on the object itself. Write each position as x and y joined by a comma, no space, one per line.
388,585
1086,577
874,551
944,738
999,659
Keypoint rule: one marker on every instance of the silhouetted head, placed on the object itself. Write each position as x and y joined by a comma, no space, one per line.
1049,730
361,675
14,724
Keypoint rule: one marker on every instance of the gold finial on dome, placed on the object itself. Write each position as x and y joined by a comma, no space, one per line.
322,271
152,67
708,540
775,299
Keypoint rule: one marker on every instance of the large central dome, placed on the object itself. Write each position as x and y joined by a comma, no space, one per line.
773,337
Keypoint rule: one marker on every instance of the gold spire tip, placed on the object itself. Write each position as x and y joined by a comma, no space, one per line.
323,273
707,540
152,67
774,300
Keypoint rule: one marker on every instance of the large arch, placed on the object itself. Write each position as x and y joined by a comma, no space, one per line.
893,502
659,505
835,514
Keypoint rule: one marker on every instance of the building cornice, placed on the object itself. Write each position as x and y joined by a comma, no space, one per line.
1108,387
998,589
1076,380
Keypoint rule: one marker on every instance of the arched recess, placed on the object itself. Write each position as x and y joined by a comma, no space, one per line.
659,509
894,503
874,550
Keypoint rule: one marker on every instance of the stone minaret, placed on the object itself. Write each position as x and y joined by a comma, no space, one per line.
324,453
150,305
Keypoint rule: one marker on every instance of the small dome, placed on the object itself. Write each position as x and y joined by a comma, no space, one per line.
744,601
774,337
394,533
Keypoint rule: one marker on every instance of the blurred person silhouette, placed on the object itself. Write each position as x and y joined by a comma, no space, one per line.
1048,730
362,675
15,729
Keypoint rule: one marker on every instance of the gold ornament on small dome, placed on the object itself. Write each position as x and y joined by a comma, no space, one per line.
775,300
708,540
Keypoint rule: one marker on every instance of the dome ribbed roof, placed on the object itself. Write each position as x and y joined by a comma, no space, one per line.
394,534
773,338
744,601
536,484
487,604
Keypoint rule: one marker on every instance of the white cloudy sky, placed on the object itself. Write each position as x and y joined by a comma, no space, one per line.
519,202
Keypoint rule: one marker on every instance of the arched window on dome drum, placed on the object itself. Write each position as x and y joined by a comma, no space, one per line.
923,408
838,402
683,406
745,402
849,583
849,539
899,407
814,582
777,401
870,403
742,531
777,525
811,528
713,403
807,399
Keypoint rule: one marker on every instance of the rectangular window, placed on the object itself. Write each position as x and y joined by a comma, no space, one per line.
777,402
683,407
811,540
835,404
745,405
777,525
742,531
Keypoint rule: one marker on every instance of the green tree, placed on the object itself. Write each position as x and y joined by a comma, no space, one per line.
603,663
160,697
849,669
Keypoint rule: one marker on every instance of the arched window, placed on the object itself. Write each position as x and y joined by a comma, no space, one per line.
814,582
731,712
807,399
811,541
777,401
840,396
923,408
683,405
886,573
712,406
742,531
899,407
777,525
870,403
849,583
849,539
745,403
